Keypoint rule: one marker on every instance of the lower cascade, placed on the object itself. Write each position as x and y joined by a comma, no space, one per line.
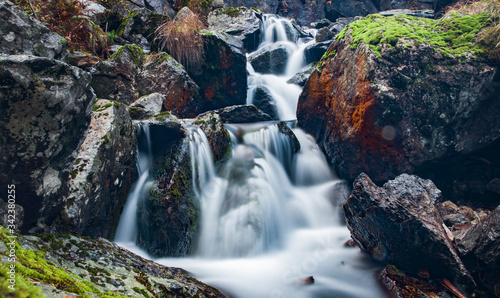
270,224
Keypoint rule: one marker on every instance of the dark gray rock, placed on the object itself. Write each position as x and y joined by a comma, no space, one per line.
416,13
102,173
217,135
15,221
264,101
382,218
315,51
344,8
321,24
241,22
300,78
23,35
242,114
45,112
399,284
169,216
147,106
270,59
324,34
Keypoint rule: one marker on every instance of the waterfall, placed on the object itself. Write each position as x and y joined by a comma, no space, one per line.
127,227
270,214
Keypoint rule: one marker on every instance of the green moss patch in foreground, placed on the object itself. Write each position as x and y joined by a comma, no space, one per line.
452,35
32,266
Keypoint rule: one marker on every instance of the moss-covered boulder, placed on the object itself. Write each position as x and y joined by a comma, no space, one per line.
404,94
115,79
22,34
168,217
44,115
147,106
68,266
102,173
217,135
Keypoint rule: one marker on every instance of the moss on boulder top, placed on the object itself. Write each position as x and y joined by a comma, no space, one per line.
454,35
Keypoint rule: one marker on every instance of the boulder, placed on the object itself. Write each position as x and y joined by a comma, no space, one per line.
264,101
241,22
139,27
147,106
222,77
324,34
344,8
300,78
164,75
96,268
242,114
271,59
115,79
45,112
217,135
315,51
23,35
381,219
169,215
321,24
402,108
102,173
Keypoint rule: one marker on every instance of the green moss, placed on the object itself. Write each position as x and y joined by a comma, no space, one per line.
232,11
328,54
451,36
137,54
39,49
116,104
163,115
105,139
141,292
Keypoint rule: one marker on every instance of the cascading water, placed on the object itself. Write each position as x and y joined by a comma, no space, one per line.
270,214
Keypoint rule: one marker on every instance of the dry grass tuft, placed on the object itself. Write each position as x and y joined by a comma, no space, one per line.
181,38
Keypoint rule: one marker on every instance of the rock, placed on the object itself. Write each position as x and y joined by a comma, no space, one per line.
300,78
115,79
271,59
102,174
217,135
12,223
162,7
95,268
23,35
480,248
169,216
494,185
264,101
428,13
399,284
241,22
321,24
363,111
222,77
45,112
454,215
91,8
82,60
147,106
284,129
324,34
166,76
315,51
307,281
381,218
344,8
242,114
139,27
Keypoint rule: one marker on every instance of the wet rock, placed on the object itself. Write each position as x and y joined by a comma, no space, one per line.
169,216
114,79
222,76
381,218
147,106
217,135
264,101
324,34
344,8
270,59
164,75
307,281
416,13
102,173
480,248
321,24
362,109
96,267
292,139
23,35
241,22
315,51
399,284
242,114
300,78
45,112
15,220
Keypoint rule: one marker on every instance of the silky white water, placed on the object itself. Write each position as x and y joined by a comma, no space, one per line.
270,216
